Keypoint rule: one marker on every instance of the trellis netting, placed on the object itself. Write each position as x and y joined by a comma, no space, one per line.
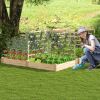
39,43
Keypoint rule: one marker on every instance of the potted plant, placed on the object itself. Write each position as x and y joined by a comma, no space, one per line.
78,54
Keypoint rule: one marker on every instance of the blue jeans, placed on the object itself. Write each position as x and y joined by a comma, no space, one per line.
92,57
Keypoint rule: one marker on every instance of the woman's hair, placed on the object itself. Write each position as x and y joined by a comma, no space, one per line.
85,40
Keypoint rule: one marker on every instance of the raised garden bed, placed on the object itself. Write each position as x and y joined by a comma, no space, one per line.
52,51
50,67
14,61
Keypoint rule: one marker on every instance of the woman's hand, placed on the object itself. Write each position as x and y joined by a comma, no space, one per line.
91,47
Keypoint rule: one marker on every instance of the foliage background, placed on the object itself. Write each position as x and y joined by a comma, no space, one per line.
59,14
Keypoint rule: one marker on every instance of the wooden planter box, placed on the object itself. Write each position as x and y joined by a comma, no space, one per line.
13,61
50,67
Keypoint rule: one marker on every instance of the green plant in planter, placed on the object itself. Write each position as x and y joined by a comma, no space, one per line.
54,57
66,58
24,56
50,61
32,59
50,57
78,54
38,61
59,61
43,60
9,54
18,55
43,56
69,58
38,56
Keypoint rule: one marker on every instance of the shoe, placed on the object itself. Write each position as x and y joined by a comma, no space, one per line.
91,67
97,63
77,66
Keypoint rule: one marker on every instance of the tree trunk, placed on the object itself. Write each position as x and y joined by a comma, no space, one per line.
4,21
9,24
0,12
5,18
0,25
15,14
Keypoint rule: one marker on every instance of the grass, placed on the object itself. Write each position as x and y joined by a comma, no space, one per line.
68,14
30,84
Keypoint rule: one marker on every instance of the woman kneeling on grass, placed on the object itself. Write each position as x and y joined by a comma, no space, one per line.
91,47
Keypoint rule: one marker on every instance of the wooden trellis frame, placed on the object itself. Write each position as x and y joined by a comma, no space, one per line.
71,37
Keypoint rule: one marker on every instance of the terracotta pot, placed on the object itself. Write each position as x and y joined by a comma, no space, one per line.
77,60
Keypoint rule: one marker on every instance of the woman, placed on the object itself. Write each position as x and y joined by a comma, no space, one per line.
91,47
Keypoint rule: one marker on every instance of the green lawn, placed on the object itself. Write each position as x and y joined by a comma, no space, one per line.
29,84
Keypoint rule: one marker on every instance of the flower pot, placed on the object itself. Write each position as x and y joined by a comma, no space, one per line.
77,60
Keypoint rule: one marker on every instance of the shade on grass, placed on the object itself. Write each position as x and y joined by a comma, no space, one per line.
18,83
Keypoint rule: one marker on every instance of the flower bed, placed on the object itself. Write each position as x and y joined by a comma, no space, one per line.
50,59
50,67
42,50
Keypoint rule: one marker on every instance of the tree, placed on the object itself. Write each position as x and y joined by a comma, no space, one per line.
9,23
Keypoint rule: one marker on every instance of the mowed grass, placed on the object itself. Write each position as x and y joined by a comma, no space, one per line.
66,13
17,83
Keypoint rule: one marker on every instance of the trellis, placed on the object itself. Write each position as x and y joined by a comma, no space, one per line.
53,43
36,43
